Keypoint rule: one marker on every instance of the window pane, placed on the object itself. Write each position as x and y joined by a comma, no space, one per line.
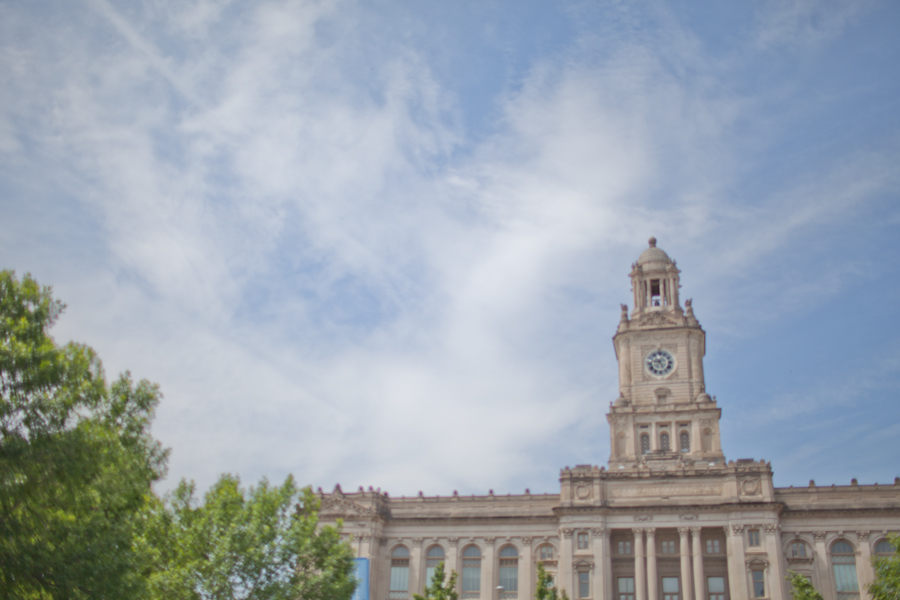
400,552
472,552
716,585
582,541
435,552
471,575
584,584
884,547
670,585
664,441
645,443
685,441
546,552
509,551
845,578
759,587
509,578
399,579
626,585
841,548
753,537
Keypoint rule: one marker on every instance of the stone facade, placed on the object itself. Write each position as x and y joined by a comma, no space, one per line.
668,519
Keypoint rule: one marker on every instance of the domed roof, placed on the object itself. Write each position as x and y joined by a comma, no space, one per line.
653,255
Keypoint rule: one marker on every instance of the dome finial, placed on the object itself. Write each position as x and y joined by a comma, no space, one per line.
652,241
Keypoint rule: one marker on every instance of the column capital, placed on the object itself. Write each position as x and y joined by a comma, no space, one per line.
650,531
736,529
695,531
862,535
820,535
526,541
684,531
417,541
638,530
772,528
599,531
567,532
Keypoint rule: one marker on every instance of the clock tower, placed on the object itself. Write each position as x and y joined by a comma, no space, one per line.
663,415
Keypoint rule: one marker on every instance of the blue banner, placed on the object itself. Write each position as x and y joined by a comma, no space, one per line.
361,572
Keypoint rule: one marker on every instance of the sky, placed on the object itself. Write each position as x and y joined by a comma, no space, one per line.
385,243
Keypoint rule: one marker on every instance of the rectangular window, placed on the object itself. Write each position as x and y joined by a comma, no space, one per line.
670,588
716,587
712,546
584,584
753,537
509,574
471,575
624,547
798,549
399,578
582,541
668,546
759,584
626,588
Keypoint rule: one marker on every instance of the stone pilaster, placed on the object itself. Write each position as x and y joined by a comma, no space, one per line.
684,550
652,577
699,579
640,580
737,569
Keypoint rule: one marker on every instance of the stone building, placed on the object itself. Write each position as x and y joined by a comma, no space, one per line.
667,519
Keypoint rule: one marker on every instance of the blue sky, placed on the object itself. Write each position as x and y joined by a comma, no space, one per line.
385,243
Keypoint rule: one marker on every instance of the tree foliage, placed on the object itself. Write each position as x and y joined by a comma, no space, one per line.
545,589
802,588
261,544
76,459
887,574
439,590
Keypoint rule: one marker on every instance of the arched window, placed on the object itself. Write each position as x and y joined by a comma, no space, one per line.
843,561
645,443
884,548
399,573
664,442
434,557
509,569
685,438
471,572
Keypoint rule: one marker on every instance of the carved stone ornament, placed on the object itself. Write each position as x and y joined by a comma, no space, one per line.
862,535
490,540
583,491
567,533
363,537
684,531
417,541
453,540
737,529
750,486
643,517
338,506
772,528
651,533
695,531
526,540
820,536
598,531
688,517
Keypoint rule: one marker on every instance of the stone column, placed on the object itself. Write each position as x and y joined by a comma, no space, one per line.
601,574
488,585
687,589
526,561
777,581
564,567
451,560
826,582
416,570
652,578
864,564
640,589
699,579
737,569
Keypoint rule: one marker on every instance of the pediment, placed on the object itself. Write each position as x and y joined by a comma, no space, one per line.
336,506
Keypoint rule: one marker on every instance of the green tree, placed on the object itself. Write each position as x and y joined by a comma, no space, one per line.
887,574
438,590
545,589
76,459
261,544
802,588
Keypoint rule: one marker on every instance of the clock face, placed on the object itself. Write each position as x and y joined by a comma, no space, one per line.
659,363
